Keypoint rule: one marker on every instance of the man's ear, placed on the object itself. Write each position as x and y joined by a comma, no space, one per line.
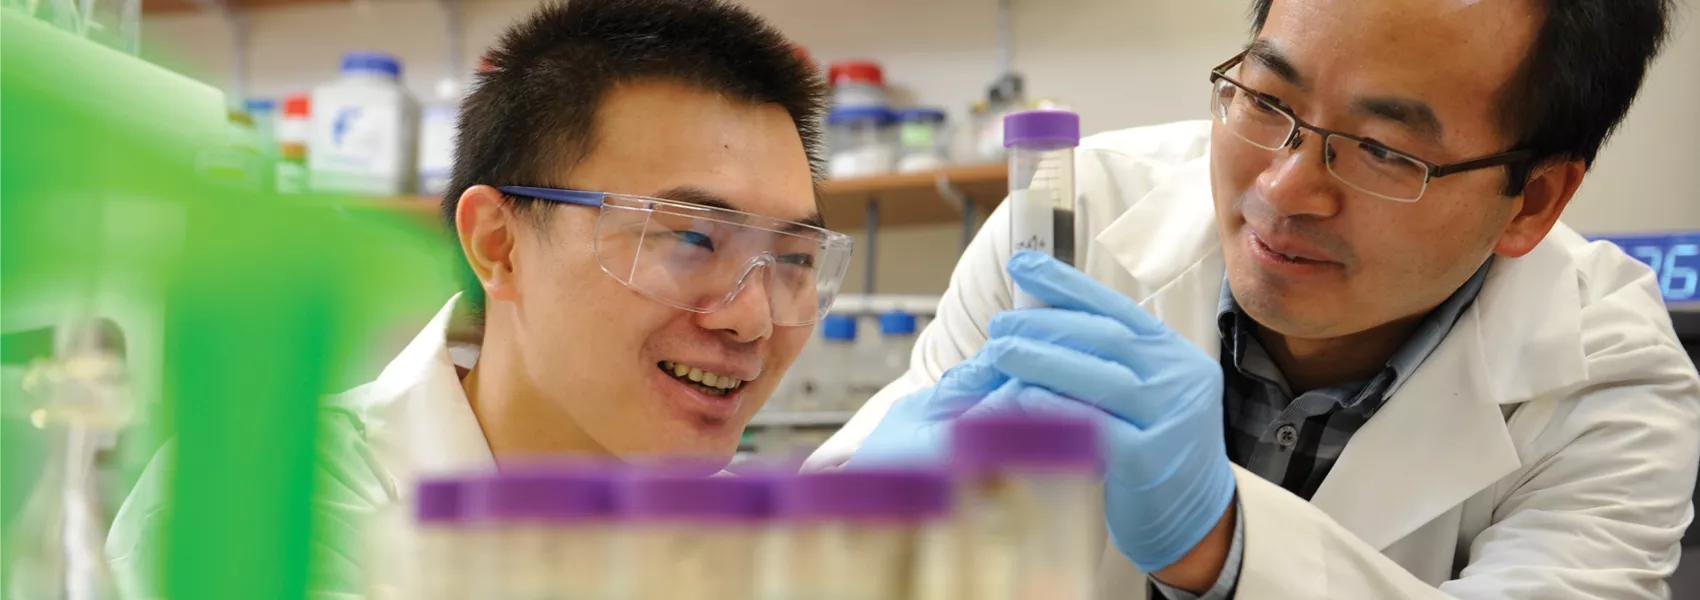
487,226
1549,190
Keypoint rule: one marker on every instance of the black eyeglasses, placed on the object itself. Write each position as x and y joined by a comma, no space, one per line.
1366,166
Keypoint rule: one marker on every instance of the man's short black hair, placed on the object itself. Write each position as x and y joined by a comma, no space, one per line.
531,116
1578,80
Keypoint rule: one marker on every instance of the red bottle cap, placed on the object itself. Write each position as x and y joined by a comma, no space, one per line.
295,105
856,71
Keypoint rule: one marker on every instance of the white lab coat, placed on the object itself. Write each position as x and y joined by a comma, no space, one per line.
1546,449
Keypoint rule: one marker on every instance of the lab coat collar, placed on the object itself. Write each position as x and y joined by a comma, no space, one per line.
1168,233
1442,436
418,420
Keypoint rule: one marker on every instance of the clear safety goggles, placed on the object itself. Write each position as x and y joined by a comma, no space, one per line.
699,258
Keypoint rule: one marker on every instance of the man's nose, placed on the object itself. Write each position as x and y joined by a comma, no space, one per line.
1297,182
748,317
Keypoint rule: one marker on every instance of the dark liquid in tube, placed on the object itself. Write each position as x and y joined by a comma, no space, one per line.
1062,232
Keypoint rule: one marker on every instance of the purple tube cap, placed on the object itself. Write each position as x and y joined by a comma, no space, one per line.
864,495
1050,442
1041,130
440,500
543,493
675,495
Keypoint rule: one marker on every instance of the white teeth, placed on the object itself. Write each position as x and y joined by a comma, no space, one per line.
711,380
695,374
680,370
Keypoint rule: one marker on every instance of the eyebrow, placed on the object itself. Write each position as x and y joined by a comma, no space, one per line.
1266,55
1408,112
690,194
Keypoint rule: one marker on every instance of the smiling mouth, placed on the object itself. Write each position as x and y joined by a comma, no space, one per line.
707,382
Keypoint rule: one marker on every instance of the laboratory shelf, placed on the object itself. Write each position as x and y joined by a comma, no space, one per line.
427,209
802,419
154,7
870,305
903,198
913,198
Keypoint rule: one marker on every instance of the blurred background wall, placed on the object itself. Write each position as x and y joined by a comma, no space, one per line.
1120,63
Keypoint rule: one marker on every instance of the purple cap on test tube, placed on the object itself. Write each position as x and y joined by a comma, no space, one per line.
687,495
1041,130
870,495
560,493
1048,442
440,500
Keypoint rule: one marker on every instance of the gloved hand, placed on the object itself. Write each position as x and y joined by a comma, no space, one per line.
1159,400
915,430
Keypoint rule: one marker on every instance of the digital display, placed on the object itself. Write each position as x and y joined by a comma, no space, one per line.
1675,259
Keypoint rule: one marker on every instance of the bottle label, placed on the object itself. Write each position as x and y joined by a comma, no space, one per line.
356,147
436,149
437,140
1030,228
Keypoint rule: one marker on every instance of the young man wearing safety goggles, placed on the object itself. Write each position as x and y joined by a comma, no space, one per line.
634,195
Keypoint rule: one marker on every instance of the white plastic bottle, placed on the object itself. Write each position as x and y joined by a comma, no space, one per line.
795,389
363,136
834,365
294,131
869,369
437,129
897,344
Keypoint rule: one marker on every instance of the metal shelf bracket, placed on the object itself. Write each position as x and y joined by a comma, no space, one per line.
960,201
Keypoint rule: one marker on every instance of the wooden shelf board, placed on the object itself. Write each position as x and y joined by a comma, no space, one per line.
904,198
158,7
424,209
912,198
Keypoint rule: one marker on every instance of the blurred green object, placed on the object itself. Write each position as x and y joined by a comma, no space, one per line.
239,309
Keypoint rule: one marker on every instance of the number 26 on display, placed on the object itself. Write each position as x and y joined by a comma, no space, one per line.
1673,259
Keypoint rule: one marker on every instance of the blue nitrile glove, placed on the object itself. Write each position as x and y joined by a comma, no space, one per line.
915,430
1167,476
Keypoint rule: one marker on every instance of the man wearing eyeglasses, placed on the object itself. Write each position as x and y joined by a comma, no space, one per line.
634,195
1336,339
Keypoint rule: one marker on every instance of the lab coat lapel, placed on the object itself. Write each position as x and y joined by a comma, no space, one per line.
1441,437
418,415
1168,242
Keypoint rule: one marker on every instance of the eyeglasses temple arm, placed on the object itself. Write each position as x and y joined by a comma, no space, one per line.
593,199
1506,158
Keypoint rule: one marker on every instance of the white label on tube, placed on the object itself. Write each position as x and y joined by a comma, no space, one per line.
1030,228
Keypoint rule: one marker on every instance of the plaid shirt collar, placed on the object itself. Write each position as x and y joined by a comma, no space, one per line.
1236,331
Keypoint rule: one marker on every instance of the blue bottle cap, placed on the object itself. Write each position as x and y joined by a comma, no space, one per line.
259,105
920,114
878,115
897,323
371,63
839,328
